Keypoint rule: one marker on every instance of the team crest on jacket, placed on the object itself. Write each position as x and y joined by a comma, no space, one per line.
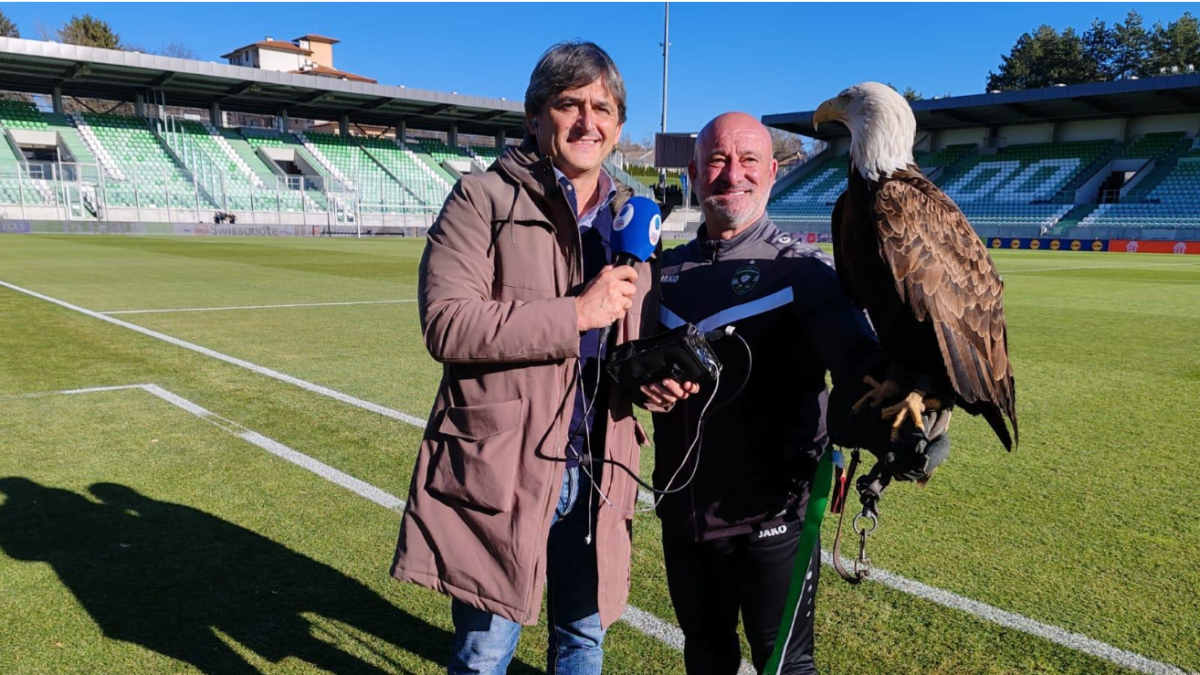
745,279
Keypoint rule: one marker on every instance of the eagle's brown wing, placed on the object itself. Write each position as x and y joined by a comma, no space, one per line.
841,262
943,274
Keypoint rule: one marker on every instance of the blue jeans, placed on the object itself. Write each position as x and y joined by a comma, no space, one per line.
484,642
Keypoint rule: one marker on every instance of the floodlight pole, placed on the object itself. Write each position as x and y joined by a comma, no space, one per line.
666,45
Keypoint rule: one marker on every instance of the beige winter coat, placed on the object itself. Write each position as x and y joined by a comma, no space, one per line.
496,279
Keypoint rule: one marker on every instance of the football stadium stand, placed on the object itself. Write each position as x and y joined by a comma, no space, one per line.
16,114
1111,159
186,163
808,202
1017,185
411,169
484,156
143,170
1172,203
194,145
379,190
1117,159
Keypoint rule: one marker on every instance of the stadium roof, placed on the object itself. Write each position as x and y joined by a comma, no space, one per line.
37,67
327,71
1165,95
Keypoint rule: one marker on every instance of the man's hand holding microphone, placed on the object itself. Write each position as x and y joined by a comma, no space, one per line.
609,296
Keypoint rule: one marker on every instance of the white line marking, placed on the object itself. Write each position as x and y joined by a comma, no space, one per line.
1075,641
666,633
224,309
1017,622
1098,267
92,390
261,370
641,620
358,487
974,608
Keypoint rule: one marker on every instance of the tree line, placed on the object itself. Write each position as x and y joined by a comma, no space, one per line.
88,31
1125,50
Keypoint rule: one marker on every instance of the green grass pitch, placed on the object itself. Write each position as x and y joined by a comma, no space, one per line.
138,537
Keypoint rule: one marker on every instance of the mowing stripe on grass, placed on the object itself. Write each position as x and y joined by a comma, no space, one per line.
358,487
977,609
1069,268
1075,641
225,309
261,370
641,620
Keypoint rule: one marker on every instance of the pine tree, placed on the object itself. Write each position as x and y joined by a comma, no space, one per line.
1131,47
7,27
88,31
1042,59
1099,48
1176,46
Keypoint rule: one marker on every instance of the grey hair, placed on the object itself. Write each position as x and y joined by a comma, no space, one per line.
572,64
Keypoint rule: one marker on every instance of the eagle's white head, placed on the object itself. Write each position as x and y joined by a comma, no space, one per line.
882,127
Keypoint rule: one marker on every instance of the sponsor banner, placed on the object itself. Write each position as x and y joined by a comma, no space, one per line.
1048,244
812,237
239,230
1144,246
15,227
101,227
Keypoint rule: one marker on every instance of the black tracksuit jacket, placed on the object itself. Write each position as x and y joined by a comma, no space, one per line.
760,448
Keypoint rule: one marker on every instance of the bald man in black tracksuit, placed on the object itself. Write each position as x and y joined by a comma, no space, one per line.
730,536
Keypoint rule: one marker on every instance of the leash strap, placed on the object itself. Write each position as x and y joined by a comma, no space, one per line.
818,498
860,570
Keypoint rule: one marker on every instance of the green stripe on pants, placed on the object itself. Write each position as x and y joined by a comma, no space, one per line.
818,498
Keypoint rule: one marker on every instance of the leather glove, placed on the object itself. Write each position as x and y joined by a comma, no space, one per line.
911,457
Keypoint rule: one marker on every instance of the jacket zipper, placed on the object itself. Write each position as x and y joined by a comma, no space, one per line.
692,487
539,569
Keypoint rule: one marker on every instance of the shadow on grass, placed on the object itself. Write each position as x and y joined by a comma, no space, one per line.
165,576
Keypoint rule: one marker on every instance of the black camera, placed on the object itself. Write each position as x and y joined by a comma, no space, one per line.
682,354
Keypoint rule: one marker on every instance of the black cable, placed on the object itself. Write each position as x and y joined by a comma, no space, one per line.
704,416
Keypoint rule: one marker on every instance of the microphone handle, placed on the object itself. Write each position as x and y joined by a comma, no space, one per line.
628,260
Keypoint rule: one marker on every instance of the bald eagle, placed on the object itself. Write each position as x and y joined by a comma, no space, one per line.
906,253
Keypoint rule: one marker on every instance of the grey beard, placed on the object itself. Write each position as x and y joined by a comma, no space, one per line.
722,218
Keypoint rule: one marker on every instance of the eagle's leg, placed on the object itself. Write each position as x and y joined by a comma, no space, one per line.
913,406
878,393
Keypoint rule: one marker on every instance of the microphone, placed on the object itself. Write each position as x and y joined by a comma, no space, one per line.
635,234
636,230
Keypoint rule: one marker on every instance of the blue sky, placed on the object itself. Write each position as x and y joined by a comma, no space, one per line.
760,58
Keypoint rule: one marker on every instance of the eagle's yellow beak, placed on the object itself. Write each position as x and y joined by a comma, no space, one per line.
831,110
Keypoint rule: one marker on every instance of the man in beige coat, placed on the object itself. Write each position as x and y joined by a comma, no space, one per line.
523,476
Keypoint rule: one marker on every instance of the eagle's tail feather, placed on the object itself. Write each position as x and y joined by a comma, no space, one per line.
995,419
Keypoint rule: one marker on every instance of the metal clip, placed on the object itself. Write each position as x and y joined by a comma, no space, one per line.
865,515
862,564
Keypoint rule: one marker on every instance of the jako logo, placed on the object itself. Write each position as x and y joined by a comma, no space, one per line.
670,278
763,534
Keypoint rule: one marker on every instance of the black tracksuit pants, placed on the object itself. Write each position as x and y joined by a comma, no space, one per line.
711,581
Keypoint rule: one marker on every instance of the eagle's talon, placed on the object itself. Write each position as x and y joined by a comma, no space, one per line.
912,405
878,394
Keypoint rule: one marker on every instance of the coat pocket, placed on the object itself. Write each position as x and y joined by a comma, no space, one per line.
639,434
480,448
